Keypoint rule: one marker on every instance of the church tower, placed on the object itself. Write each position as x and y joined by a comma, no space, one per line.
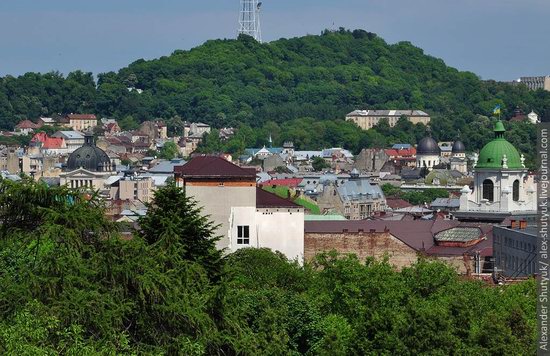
502,185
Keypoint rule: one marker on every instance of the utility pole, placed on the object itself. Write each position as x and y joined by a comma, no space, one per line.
249,19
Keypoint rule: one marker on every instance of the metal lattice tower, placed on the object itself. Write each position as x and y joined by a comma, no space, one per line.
249,19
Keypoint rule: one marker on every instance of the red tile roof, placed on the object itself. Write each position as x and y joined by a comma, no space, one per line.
81,117
213,167
287,182
266,199
48,142
401,153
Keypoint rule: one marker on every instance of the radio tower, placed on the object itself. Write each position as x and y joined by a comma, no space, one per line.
249,19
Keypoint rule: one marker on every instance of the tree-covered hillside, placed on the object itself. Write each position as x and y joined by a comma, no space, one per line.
235,82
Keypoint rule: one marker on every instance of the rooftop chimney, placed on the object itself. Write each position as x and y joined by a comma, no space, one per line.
523,224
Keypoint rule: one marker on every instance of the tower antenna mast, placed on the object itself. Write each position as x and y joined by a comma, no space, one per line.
249,19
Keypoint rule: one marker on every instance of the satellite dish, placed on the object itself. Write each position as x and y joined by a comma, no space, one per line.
259,5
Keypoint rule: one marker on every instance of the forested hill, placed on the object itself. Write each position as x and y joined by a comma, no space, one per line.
230,82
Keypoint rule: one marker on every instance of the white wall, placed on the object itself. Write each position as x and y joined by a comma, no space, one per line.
282,230
217,202
277,229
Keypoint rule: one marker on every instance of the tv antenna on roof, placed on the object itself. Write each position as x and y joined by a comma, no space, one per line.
249,19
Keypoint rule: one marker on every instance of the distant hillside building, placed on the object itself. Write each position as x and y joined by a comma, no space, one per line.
80,122
534,83
367,119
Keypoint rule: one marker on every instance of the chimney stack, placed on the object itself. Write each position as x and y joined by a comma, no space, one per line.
523,224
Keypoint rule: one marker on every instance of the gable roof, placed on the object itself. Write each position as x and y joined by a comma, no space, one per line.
266,199
212,167
48,142
27,124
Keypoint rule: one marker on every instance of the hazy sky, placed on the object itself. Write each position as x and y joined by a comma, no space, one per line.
496,39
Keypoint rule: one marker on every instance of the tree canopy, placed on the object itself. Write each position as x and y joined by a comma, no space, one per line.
71,284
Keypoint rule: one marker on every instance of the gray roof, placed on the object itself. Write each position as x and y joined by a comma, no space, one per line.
446,203
71,135
459,234
360,189
166,166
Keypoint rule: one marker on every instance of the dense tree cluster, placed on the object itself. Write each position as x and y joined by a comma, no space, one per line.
415,197
72,285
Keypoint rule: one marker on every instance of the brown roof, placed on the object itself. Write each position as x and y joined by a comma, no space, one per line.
27,124
266,199
213,166
81,117
417,234
397,203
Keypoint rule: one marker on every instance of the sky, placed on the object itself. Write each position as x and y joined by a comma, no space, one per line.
496,39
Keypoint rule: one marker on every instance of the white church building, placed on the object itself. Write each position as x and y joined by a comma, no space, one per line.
502,185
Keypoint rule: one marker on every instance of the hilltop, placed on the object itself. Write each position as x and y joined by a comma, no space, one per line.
235,82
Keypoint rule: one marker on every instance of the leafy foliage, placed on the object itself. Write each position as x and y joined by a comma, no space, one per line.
415,197
72,285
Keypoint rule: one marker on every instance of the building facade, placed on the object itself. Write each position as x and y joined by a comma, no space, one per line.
367,119
515,249
534,83
81,122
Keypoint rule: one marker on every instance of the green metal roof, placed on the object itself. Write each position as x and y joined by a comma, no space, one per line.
492,154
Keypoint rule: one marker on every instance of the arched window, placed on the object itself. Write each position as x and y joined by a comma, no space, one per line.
488,188
515,190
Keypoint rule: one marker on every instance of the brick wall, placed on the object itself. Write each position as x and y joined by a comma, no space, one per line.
362,244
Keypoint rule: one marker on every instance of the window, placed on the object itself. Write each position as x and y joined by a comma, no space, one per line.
243,235
488,190
515,190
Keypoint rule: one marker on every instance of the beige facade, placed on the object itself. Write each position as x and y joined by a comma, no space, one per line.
140,188
82,178
534,83
82,124
367,119
218,198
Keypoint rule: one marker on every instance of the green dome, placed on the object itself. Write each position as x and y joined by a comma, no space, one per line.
492,154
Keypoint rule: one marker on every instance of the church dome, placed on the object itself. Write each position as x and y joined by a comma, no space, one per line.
458,147
492,154
89,157
428,146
